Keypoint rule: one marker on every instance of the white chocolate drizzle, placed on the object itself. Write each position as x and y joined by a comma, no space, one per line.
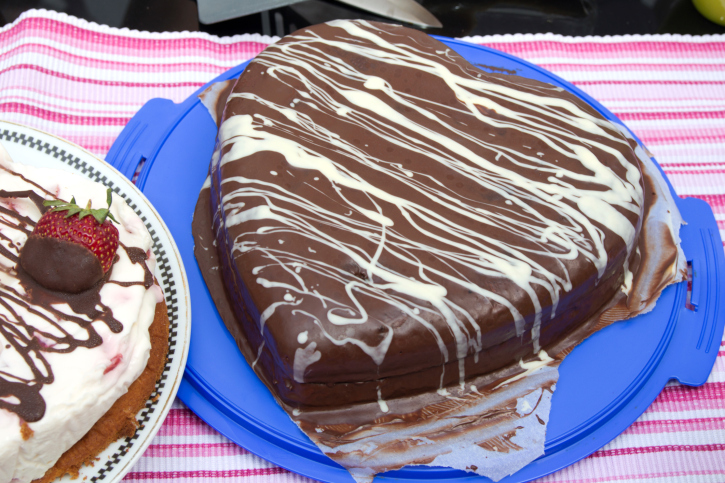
585,199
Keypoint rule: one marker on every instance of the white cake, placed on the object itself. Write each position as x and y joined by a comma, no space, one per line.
85,381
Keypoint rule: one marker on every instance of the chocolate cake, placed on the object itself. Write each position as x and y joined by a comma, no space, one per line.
391,220
77,362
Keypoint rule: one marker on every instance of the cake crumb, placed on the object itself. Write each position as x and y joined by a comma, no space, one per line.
25,431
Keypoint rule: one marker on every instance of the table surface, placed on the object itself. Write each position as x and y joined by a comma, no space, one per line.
459,18
84,81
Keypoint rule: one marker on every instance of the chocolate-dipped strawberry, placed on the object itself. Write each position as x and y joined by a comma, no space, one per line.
71,248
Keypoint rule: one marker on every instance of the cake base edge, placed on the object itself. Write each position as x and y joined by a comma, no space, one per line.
120,420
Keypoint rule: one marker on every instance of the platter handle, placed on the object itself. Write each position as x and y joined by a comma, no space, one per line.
699,331
136,147
135,150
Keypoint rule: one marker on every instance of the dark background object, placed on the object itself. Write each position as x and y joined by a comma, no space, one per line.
459,18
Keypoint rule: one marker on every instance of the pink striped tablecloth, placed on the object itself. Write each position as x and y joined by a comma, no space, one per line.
83,82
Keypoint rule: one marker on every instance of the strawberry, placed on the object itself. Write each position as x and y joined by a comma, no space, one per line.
71,248
87,227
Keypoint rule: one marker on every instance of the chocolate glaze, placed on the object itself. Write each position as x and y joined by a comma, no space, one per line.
60,265
21,395
341,431
138,255
300,275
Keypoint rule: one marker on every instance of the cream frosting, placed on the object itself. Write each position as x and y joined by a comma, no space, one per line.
86,382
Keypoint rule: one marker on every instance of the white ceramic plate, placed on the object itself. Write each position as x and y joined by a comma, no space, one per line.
30,146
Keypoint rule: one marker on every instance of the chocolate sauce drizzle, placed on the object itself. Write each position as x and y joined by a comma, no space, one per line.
57,331
138,255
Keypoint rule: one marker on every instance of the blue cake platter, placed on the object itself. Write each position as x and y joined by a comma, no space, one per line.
605,384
